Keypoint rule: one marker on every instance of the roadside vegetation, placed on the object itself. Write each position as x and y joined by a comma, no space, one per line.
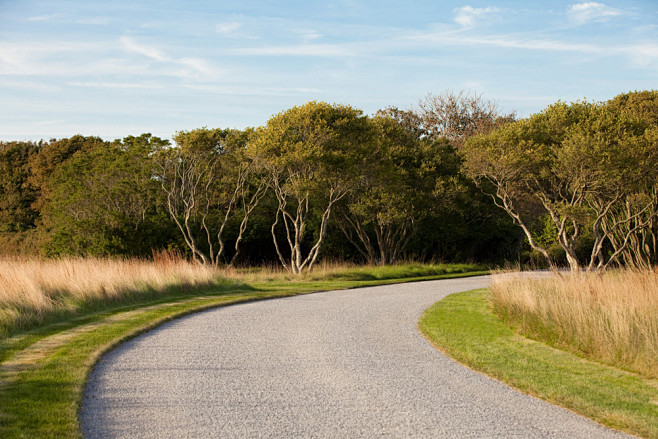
35,292
611,318
43,369
465,327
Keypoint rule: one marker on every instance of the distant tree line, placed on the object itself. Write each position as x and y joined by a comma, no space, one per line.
326,181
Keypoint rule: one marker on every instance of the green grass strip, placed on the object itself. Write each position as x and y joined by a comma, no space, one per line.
43,371
464,327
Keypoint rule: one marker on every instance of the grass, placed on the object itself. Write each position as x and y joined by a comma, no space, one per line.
464,326
45,357
611,317
35,292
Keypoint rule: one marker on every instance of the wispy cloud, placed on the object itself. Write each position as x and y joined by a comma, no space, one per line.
309,34
149,52
186,68
536,44
67,18
120,85
48,17
228,28
312,50
468,16
639,54
581,13
242,90
37,58
235,29
99,21
643,54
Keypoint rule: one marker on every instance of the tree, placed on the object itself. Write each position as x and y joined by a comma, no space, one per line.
208,180
575,162
404,179
16,195
50,156
460,116
309,153
103,200
631,225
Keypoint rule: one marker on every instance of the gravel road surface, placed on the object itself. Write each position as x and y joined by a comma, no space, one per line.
342,364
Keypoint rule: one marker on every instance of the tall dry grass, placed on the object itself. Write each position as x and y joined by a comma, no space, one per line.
611,317
34,289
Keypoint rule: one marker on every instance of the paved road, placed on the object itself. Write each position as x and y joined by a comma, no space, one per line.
348,364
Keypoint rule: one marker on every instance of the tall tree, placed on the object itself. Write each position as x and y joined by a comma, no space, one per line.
208,180
404,179
310,153
632,225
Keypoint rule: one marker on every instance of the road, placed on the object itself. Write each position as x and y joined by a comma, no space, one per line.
342,364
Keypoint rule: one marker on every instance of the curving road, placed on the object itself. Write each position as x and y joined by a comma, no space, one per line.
345,364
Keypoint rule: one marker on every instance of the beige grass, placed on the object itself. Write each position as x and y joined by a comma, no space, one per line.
32,288
612,317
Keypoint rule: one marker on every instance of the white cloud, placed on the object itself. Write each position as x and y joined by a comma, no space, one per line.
642,54
581,13
298,50
467,16
197,69
120,85
186,68
250,90
30,58
147,51
229,28
309,34
50,17
100,21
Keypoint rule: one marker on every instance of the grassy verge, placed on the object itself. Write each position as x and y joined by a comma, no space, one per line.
464,327
43,370
607,317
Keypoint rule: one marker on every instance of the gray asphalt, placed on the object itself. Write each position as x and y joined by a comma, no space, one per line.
343,364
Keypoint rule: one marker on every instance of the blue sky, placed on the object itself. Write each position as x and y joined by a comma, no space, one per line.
118,68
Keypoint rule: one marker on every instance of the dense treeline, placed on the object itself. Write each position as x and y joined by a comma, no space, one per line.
325,181
580,179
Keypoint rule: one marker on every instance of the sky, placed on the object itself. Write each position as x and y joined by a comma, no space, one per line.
119,68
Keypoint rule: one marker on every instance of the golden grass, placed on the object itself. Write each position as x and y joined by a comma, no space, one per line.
611,317
33,288
35,291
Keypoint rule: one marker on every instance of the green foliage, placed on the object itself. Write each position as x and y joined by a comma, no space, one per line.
317,143
50,156
404,180
16,195
580,179
210,186
575,163
104,201
311,155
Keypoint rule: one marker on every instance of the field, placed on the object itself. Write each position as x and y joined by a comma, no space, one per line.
34,292
611,317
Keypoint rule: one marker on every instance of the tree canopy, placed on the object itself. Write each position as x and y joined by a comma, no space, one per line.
326,181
